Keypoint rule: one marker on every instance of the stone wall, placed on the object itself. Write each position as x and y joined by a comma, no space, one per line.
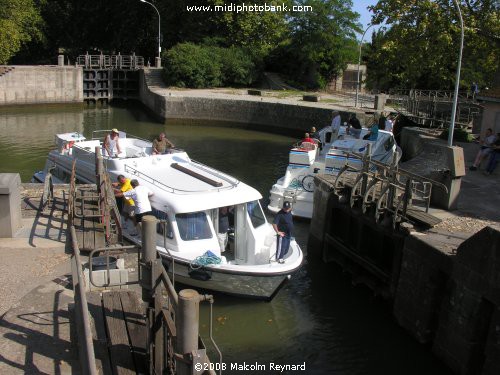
468,333
445,291
261,112
41,84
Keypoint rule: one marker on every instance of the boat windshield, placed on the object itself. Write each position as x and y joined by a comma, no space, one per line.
193,226
256,215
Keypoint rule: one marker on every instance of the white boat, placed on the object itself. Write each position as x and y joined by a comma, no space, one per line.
297,185
188,195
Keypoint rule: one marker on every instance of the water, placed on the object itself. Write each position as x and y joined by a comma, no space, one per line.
318,317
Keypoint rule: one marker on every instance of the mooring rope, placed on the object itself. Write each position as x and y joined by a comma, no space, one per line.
204,260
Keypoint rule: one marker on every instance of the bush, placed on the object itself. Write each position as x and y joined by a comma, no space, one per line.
459,135
190,65
201,66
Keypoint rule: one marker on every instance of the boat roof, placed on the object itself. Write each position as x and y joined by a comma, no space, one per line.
185,185
181,184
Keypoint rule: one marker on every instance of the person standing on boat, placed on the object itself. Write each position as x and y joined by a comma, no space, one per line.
283,226
336,122
161,145
223,228
111,144
126,207
140,195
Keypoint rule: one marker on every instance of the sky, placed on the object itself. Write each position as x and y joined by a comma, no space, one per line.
360,7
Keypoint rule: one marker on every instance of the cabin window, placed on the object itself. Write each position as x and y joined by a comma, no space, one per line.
160,227
193,226
256,215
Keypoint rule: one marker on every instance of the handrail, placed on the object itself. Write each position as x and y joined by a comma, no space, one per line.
88,357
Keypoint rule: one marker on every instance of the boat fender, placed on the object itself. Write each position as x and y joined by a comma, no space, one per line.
200,274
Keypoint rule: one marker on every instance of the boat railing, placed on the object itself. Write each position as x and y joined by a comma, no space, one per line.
165,187
129,135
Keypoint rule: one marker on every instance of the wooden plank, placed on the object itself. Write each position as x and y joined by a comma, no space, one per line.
136,327
99,333
422,217
122,362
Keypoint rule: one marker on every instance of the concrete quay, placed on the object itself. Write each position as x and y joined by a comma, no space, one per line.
270,112
41,84
35,326
442,283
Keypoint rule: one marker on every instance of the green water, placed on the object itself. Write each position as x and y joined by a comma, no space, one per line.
318,317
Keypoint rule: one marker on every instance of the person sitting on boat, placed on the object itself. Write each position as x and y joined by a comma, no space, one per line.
283,226
162,145
317,138
126,207
223,228
354,126
140,195
111,144
373,134
307,143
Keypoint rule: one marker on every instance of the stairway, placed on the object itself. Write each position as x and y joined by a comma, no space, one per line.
5,69
154,78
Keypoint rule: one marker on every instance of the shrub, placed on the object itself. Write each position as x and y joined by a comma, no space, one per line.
201,66
190,65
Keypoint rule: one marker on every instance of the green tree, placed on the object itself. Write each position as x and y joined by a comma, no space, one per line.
20,23
321,42
419,45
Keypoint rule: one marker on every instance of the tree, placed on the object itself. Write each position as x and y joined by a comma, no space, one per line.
20,23
321,42
419,45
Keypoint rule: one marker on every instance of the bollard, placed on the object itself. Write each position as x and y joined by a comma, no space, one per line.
10,207
157,62
186,324
60,60
148,255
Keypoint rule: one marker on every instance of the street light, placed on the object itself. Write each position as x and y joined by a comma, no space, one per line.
359,63
457,82
158,59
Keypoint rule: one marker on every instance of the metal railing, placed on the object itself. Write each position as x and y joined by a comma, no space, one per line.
433,107
122,62
83,325
387,187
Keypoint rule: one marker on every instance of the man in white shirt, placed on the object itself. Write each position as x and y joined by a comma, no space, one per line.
140,195
389,124
336,121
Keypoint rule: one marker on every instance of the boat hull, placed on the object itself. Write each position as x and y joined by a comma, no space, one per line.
263,287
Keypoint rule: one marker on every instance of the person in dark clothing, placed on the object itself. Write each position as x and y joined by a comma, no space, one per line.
381,122
354,126
315,135
494,157
283,225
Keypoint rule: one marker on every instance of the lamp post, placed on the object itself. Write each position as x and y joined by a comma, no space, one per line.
457,79
158,59
359,63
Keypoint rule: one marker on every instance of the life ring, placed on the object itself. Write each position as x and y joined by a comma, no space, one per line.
68,145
